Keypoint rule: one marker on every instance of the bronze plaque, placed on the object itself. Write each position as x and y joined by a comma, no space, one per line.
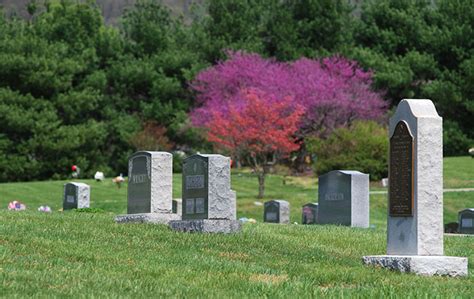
401,172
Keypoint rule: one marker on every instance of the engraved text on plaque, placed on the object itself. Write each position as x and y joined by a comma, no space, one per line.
401,172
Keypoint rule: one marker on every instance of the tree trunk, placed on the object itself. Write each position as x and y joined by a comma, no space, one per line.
261,184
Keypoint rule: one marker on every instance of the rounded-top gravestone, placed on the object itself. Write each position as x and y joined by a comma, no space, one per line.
466,221
276,211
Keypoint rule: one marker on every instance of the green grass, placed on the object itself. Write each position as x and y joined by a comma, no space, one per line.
86,254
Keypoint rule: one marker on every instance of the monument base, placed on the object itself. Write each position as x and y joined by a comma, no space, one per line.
155,218
206,226
419,264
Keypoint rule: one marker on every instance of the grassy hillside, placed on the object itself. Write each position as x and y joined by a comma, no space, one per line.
82,254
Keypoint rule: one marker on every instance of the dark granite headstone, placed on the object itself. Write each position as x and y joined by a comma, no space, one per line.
344,198
466,221
272,212
335,198
139,183
195,187
276,211
310,213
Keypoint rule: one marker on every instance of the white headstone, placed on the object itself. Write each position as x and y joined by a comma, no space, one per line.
415,208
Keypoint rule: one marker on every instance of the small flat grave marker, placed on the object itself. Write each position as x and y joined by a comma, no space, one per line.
276,211
310,213
466,221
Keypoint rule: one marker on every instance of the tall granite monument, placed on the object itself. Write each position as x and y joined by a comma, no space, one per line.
208,203
150,187
415,197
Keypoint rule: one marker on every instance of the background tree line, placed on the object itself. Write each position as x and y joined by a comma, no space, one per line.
74,90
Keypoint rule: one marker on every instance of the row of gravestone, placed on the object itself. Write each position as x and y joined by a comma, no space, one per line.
208,203
77,195
343,200
415,197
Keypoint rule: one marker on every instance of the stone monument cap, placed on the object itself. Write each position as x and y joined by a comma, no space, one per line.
78,184
151,153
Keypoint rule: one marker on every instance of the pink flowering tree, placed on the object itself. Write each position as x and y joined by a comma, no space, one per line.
259,128
333,92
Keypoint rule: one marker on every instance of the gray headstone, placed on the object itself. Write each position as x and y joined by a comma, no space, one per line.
206,192
415,203
76,196
310,213
344,198
466,221
150,179
276,211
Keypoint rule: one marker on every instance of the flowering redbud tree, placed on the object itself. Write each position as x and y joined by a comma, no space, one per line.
332,92
255,130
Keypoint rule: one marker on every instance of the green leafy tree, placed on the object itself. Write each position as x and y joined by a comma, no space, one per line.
423,49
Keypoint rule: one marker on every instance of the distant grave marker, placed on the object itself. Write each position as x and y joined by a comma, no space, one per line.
344,198
277,211
310,213
466,221
76,196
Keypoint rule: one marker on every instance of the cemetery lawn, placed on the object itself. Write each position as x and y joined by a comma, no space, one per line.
87,254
